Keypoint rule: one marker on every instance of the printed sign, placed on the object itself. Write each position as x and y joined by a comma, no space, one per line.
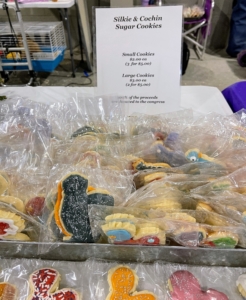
139,56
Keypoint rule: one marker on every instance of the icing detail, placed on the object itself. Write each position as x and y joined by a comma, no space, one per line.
140,164
17,220
123,282
119,235
44,284
225,242
86,130
184,285
7,227
145,241
57,211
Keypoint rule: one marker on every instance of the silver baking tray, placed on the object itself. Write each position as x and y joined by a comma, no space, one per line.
81,252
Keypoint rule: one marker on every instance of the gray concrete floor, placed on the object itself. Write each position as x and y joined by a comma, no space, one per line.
216,69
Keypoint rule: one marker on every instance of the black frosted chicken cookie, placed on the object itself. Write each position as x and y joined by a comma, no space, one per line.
71,208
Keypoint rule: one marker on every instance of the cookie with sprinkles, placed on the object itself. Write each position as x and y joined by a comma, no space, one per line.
183,285
44,284
123,282
71,209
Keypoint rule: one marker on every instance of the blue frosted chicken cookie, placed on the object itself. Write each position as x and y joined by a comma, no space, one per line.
125,229
71,208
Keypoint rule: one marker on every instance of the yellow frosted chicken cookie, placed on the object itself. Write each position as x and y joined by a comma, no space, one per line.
123,282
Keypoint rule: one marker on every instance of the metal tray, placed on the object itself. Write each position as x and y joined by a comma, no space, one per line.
81,252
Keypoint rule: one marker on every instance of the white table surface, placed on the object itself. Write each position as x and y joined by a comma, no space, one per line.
202,99
46,4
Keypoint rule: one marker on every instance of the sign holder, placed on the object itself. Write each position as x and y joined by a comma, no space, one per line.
138,56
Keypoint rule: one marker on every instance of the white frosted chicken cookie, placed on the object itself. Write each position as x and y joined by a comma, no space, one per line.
11,226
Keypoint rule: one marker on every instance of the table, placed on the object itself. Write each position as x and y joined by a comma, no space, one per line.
201,99
82,15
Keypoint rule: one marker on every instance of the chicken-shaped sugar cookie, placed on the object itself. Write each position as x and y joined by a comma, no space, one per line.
71,208
7,291
126,230
123,282
44,284
184,285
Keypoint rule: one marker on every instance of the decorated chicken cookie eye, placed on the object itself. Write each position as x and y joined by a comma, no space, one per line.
193,155
193,158
123,282
184,285
44,284
7,291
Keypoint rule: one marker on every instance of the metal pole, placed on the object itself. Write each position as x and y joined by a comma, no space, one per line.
19,17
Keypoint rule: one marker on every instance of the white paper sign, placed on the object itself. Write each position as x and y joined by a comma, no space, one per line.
139,56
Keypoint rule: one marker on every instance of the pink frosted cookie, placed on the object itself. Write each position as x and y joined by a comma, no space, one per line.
44,284
183,285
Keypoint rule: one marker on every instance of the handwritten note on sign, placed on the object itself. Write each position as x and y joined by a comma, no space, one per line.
139,56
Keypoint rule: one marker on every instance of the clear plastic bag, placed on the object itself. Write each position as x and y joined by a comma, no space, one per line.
224,237
84,111
30,188
147,282
124,226
61,279
17,226
191,282
134,226
12,286
70,190
229,204
156,195
24,135
234,182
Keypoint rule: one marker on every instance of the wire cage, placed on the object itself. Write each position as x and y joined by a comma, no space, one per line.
46,43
